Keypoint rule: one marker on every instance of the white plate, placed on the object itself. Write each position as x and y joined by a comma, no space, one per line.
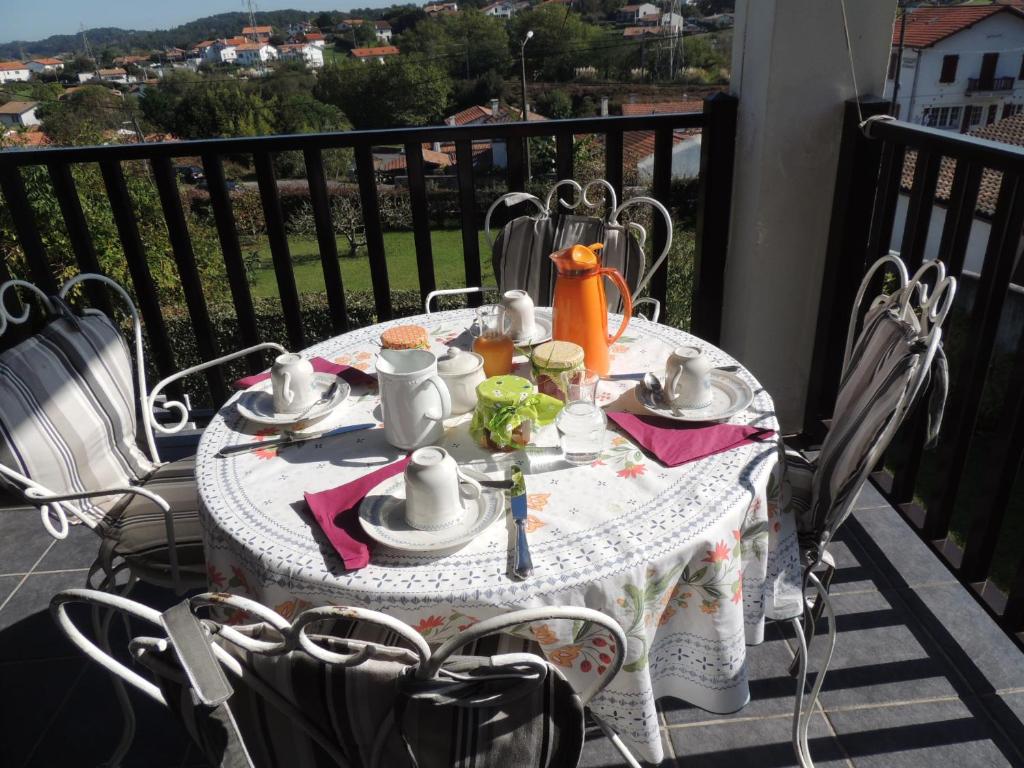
729,395
541,330
257,403
382,514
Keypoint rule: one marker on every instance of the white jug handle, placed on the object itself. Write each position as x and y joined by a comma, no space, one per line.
465,479
446,400
286,390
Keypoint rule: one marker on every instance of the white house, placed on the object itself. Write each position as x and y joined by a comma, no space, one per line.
435,9
45,66
631,14
500,10
255,53
383,31
220,52
961,66
314,38
14,71
307,52
19,114
112,75
672,22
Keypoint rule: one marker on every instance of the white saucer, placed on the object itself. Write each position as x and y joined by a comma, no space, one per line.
382,514
257,403
541,330
729,395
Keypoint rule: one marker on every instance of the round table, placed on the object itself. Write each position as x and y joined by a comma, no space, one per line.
690,560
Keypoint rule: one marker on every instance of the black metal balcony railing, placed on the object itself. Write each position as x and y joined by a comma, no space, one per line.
717,121
976,84
963,505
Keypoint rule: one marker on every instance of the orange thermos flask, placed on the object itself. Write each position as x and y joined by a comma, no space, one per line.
579,307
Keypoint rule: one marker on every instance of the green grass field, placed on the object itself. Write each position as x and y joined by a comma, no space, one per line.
449,269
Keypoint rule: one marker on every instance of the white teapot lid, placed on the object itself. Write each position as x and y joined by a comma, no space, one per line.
455,362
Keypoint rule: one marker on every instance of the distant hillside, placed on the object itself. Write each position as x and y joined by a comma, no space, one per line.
127,40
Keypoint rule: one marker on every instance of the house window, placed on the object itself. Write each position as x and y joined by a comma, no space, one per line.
942,117
1020,75
894,60
993,111
972,117
949,68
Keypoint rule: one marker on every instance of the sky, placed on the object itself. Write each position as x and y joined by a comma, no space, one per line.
41,18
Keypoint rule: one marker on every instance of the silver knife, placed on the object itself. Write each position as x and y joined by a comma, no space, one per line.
288,438
523,567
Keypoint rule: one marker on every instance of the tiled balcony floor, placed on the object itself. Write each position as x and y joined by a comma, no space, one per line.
921,676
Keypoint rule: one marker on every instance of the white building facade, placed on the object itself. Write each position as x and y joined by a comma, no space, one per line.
966,79
305,52
255,53
14,72
500,10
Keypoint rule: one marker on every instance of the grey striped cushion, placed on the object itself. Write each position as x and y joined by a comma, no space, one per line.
68,411
877,378
355,709
520,254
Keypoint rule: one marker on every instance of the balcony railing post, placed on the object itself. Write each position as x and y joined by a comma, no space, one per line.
13,187
374,233
333,283
846,253
714,209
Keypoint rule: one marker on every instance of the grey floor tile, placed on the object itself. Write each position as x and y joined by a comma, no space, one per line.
922,735
7,585
982,652
759,743
598,752
771,687
897,551
33,694
1007,709
22,541
854,570
881,655
77,551
27,631
870,498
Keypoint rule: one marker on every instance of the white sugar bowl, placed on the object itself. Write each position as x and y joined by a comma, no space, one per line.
461,372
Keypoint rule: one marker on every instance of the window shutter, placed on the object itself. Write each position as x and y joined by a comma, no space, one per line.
949,64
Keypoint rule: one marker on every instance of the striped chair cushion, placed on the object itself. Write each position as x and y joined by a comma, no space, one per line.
355,710
67,411
878,377
137,530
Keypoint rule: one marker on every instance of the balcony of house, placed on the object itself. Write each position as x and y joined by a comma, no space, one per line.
990,85
324,243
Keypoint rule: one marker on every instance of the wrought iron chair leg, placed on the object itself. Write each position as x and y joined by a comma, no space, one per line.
819,679
101,627
613,737
811,614
798,706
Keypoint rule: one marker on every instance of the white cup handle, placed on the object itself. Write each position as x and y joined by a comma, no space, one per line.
286,392
466,480
446,400
673,385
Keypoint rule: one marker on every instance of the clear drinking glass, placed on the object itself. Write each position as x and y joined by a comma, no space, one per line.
493,340
581,423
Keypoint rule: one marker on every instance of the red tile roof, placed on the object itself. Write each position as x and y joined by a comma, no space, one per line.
636,145
49,62
17,107
1009,130
482,114
6,66
257,30
927,26
311,36
369,53
663,107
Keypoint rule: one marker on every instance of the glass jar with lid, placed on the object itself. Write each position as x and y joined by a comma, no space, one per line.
550,361
506,409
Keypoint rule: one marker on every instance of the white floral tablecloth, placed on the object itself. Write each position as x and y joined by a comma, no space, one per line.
690,561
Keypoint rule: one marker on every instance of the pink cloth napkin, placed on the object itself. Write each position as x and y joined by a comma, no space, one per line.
674,443
337,512
353,376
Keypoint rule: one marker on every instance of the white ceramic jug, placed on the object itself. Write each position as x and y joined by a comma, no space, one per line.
291,381
413,399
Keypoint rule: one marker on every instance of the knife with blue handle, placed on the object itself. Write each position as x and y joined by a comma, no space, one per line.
289,438
523,567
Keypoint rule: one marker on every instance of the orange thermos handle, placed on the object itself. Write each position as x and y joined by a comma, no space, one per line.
620,283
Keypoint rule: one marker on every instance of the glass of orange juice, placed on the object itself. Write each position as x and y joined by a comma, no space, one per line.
493,340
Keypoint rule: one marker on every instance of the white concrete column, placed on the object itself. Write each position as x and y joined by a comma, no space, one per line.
791,72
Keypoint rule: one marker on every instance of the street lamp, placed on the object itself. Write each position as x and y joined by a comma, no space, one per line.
526,114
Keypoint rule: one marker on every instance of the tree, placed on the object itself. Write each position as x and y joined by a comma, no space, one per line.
78,64
470,42
554,104
364,35
86,115
561,41
712,7
404,90
324,21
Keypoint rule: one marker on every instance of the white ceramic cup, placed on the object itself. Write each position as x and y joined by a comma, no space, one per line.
413,399
519,310
436,490
291,383
688,378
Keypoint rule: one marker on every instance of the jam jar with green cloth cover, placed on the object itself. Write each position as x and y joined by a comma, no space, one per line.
550,361
506,407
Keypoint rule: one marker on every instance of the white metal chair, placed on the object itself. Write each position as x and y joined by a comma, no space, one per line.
520,251
886,368
289,684
69,445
